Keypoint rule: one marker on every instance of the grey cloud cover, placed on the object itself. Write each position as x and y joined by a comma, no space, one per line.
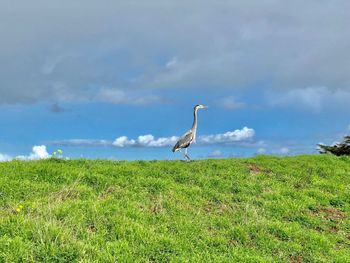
72,50
314,98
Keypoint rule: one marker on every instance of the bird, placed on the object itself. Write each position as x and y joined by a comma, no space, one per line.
190,136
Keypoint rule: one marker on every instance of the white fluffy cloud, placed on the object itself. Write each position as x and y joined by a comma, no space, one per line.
38,152
5,157
123,141
149,140
145,141
228,137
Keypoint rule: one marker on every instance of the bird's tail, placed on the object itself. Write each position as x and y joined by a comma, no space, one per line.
175,148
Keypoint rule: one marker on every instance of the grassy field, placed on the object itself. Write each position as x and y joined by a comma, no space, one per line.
262,209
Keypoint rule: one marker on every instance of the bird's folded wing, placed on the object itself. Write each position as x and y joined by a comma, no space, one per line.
185,140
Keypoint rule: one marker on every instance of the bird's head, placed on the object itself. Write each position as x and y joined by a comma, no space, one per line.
200,107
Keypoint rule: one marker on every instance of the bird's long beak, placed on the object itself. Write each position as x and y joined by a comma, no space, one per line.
205,107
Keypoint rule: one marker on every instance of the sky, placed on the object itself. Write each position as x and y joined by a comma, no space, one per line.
119,79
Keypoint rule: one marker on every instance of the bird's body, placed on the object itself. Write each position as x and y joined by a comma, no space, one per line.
184,141
190,136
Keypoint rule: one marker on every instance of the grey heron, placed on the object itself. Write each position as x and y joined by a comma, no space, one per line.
190,136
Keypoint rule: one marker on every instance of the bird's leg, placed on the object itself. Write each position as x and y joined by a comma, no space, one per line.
186,156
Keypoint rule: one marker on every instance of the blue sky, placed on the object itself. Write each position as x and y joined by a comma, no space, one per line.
78,76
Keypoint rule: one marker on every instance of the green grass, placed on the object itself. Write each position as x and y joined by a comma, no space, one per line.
262,209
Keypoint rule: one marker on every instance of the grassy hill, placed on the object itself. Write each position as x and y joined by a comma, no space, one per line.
262,209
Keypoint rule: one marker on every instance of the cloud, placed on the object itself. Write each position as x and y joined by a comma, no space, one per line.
231,103
118,96
228,137
5,157
52,62
145,141
149,140
81,142
215,154
283,146
284,150
171,63
314,98
123,141
261,151
56,108
38,152
220,45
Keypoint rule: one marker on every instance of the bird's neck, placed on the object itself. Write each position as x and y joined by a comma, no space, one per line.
194,125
